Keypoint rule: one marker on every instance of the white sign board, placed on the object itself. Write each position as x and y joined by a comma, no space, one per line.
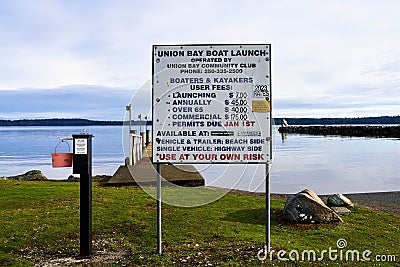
212,103
81,146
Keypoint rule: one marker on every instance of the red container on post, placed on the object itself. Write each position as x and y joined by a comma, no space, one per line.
60,160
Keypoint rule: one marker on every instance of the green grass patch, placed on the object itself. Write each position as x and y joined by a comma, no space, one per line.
40,220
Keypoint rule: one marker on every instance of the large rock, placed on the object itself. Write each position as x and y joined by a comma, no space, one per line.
307,207
34,175
73,178
339,200
341,210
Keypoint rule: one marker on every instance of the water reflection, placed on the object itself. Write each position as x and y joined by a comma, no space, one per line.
324,164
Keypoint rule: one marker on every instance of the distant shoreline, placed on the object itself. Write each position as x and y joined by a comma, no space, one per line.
382,120
344,130
67,122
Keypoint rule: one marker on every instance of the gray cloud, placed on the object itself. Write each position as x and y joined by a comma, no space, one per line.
78,101
324,55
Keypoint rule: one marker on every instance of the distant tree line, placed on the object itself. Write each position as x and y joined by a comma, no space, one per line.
277,121
340,121
65,122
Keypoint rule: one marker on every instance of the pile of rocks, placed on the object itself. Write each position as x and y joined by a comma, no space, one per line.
34,175
307,207
340,204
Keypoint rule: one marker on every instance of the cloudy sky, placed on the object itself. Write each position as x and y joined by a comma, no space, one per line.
71,58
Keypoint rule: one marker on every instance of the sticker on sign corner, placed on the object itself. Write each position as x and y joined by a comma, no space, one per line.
81,146
261,106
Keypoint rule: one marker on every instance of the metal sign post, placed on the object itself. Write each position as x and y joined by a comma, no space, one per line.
159,249
268,212
83,165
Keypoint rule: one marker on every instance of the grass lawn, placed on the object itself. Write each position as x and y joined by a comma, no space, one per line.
40,221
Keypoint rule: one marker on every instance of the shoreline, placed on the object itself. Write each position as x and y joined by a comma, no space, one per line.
388,201
235,191
384,201
392,131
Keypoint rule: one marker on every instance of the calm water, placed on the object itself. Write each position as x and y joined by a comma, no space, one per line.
26,148
324,164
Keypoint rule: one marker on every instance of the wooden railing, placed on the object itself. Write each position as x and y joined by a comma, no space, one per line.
137,145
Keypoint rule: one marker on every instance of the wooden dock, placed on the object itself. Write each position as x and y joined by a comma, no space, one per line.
143,173
345,130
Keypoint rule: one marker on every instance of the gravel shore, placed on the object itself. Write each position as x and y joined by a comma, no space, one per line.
385,201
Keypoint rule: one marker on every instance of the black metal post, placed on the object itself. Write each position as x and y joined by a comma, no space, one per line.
83,166
86,215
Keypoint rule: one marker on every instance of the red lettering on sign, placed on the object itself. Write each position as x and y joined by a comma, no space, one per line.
253,157
167,156
229,157
205,156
